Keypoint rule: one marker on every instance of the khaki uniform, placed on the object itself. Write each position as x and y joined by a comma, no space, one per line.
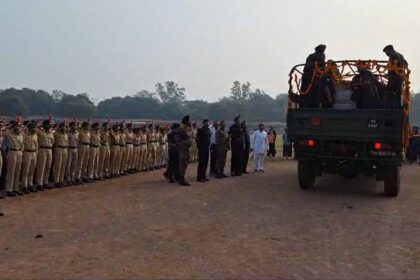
14,160
123,153
143,151
128,164
83,154
151,150
60,156
30,144
164,146
194,150
72,155
159,148
115,152
95,144
44,159
104,154
136,152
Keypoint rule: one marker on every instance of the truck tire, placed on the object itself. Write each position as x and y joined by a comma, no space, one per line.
306,174
392,181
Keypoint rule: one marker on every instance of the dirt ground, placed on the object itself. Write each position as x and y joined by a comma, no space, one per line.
250,227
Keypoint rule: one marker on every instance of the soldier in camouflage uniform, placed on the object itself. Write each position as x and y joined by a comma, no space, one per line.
222,147
172,170
183,140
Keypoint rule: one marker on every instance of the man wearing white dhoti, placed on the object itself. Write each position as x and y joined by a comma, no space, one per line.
259,147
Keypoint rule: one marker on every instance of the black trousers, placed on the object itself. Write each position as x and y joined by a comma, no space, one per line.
287,150
272,150
172,169
213,156
245,159
235,161
203,161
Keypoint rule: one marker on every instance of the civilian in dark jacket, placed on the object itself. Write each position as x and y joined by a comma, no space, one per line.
237,147
203,146
247,147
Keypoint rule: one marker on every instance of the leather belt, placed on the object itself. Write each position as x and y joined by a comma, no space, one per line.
72,147
94,146
136,145
143,144
30,151
15,150
46,148
105,144
62,147
128,143
86,144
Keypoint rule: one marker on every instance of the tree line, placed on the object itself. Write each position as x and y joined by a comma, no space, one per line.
166,102
30,102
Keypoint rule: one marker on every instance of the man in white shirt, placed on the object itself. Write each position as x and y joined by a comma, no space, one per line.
213,130
259,147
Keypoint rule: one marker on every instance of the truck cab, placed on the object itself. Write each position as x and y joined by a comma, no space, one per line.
343,138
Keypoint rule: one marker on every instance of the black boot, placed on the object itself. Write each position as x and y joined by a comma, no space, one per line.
182,182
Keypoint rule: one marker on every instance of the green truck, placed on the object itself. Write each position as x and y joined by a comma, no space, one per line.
346,140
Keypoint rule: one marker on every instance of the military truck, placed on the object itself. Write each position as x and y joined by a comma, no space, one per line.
344,139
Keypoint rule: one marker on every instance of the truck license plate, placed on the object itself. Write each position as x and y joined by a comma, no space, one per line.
372,123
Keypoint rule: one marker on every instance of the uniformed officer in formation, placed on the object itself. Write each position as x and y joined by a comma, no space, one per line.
104,153
83,154
115,151
45,154
128,161
95,143
61,145
73,137
30,143
49,155
143,149
14,144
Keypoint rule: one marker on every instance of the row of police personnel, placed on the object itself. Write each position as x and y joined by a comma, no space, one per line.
45,156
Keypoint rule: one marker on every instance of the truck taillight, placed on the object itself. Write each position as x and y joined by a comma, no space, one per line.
378,146
311,143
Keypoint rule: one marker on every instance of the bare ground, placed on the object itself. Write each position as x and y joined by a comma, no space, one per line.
256,226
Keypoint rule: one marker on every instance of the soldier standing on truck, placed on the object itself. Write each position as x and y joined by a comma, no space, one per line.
365,89
311,100
395,80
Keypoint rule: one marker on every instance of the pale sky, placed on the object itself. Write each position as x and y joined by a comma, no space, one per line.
118,47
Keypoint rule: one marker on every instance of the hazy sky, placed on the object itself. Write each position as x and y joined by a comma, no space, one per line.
118,47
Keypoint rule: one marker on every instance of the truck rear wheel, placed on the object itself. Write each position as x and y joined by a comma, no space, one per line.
392,181
306,174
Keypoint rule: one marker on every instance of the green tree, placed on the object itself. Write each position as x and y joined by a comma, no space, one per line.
170,92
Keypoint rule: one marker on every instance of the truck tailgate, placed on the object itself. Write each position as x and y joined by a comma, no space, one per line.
346,125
